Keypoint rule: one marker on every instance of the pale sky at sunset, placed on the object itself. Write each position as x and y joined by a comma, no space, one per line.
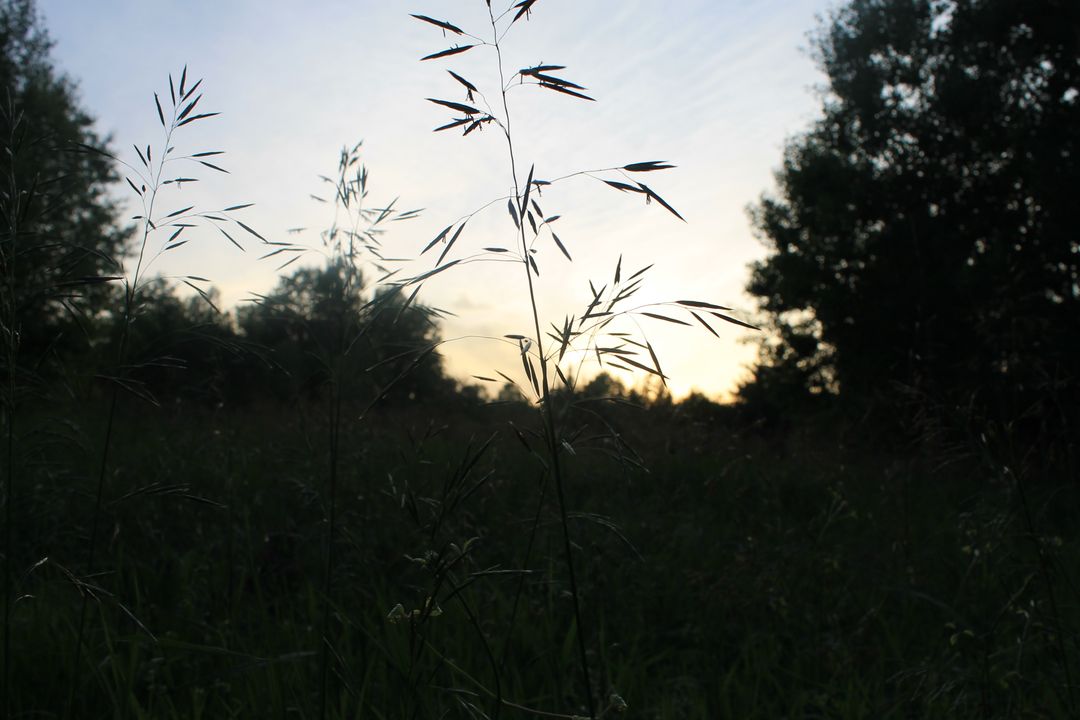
712,86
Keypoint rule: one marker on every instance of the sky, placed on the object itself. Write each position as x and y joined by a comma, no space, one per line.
714,87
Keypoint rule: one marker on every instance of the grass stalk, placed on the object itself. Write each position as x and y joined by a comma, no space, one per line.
153,181
9,499
1044,572
624,351
331,531
103,462
351,318
130,294
546,410
525,567
11,347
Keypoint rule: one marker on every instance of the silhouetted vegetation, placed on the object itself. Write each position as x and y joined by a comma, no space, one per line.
922,242
66,232
290,509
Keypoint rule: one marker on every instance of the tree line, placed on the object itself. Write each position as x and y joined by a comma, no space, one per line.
920,240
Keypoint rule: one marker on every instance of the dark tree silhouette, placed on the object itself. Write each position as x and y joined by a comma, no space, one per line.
924,234
183,349
67,233
301,322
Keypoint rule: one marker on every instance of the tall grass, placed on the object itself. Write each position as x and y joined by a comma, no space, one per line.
13,207
594,331
351,247
396,565
40,270
159,169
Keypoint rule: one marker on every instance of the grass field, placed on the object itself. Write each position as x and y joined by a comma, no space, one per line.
359,536
745,574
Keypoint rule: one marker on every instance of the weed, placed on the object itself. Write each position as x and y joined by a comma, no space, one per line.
16,200
605,329
160,168
338,320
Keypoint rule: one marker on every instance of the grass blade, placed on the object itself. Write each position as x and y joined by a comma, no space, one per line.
440,23
447,53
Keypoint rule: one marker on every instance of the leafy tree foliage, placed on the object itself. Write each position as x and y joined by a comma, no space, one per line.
282,348
182,349
924,233
60,228
321,315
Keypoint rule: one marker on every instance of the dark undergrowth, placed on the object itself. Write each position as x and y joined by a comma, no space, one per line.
743,575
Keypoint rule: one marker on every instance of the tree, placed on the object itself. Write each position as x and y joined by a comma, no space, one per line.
66,229
182,349
385,343
924,233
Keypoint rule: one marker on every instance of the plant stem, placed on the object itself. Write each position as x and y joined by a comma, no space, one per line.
12,349
495,668
1044,571
130,294
91,550
550,428
335,439
524,566
9,497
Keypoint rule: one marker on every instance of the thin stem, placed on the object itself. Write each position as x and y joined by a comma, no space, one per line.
1044,571
495,667
546,413
121,356
335,439
515,706
91,550
147,226
524,566
9,414
9,497
345,261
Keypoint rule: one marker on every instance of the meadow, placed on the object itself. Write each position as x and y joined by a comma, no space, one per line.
746,573
289,510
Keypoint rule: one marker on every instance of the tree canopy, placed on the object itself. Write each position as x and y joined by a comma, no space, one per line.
318,316
59,226
924,232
